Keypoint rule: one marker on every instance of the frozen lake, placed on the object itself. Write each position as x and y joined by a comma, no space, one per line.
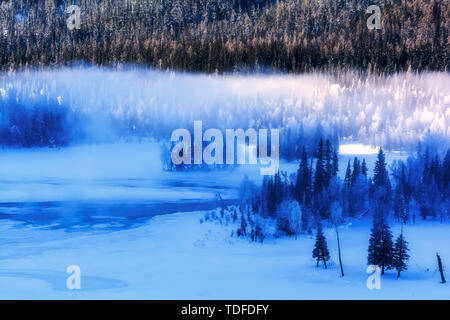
119,185
110,185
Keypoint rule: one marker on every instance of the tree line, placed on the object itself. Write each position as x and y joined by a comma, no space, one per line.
225,36
302,202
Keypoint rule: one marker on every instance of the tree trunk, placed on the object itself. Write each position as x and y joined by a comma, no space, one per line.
325,263
398,274
339,250
382,270
441,269
317,265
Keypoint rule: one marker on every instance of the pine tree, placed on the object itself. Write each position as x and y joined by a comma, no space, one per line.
348,195
401,193
401,209
320,173
328,162
320,252
400,254
302,189
364,168
382,190
335,163
348,176
380,251
380,177
356,170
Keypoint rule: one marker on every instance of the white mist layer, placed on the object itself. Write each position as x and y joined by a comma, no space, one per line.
392,110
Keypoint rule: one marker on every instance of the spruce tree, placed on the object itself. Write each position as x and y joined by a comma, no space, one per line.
364,168
356,170
302,189
348,176
320,252
380,177
347,191
400,254
328,162
320,173
382,190
387,247
335,163
380,251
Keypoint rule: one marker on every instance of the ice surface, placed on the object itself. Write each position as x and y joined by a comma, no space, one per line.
125,171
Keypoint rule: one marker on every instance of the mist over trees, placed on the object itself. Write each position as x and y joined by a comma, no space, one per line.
104,105
223,36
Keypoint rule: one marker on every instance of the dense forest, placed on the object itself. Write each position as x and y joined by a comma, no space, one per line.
225,36
419,185
289,206
102,105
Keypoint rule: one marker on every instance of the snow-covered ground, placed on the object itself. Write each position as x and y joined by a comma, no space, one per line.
135,233
175,257
135,230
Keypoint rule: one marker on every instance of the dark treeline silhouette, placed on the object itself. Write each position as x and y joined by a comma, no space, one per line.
42,124
223,36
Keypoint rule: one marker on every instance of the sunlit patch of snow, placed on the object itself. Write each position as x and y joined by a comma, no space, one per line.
334,90
357,149
176,257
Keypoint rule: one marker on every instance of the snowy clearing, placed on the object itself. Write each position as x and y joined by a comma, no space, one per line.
175,257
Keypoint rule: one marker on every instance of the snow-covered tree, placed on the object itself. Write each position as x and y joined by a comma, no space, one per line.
288,217
380,174
320,251
380,251
400,254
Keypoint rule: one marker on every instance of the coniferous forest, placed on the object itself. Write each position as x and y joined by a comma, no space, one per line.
224,149
404,192
225,36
